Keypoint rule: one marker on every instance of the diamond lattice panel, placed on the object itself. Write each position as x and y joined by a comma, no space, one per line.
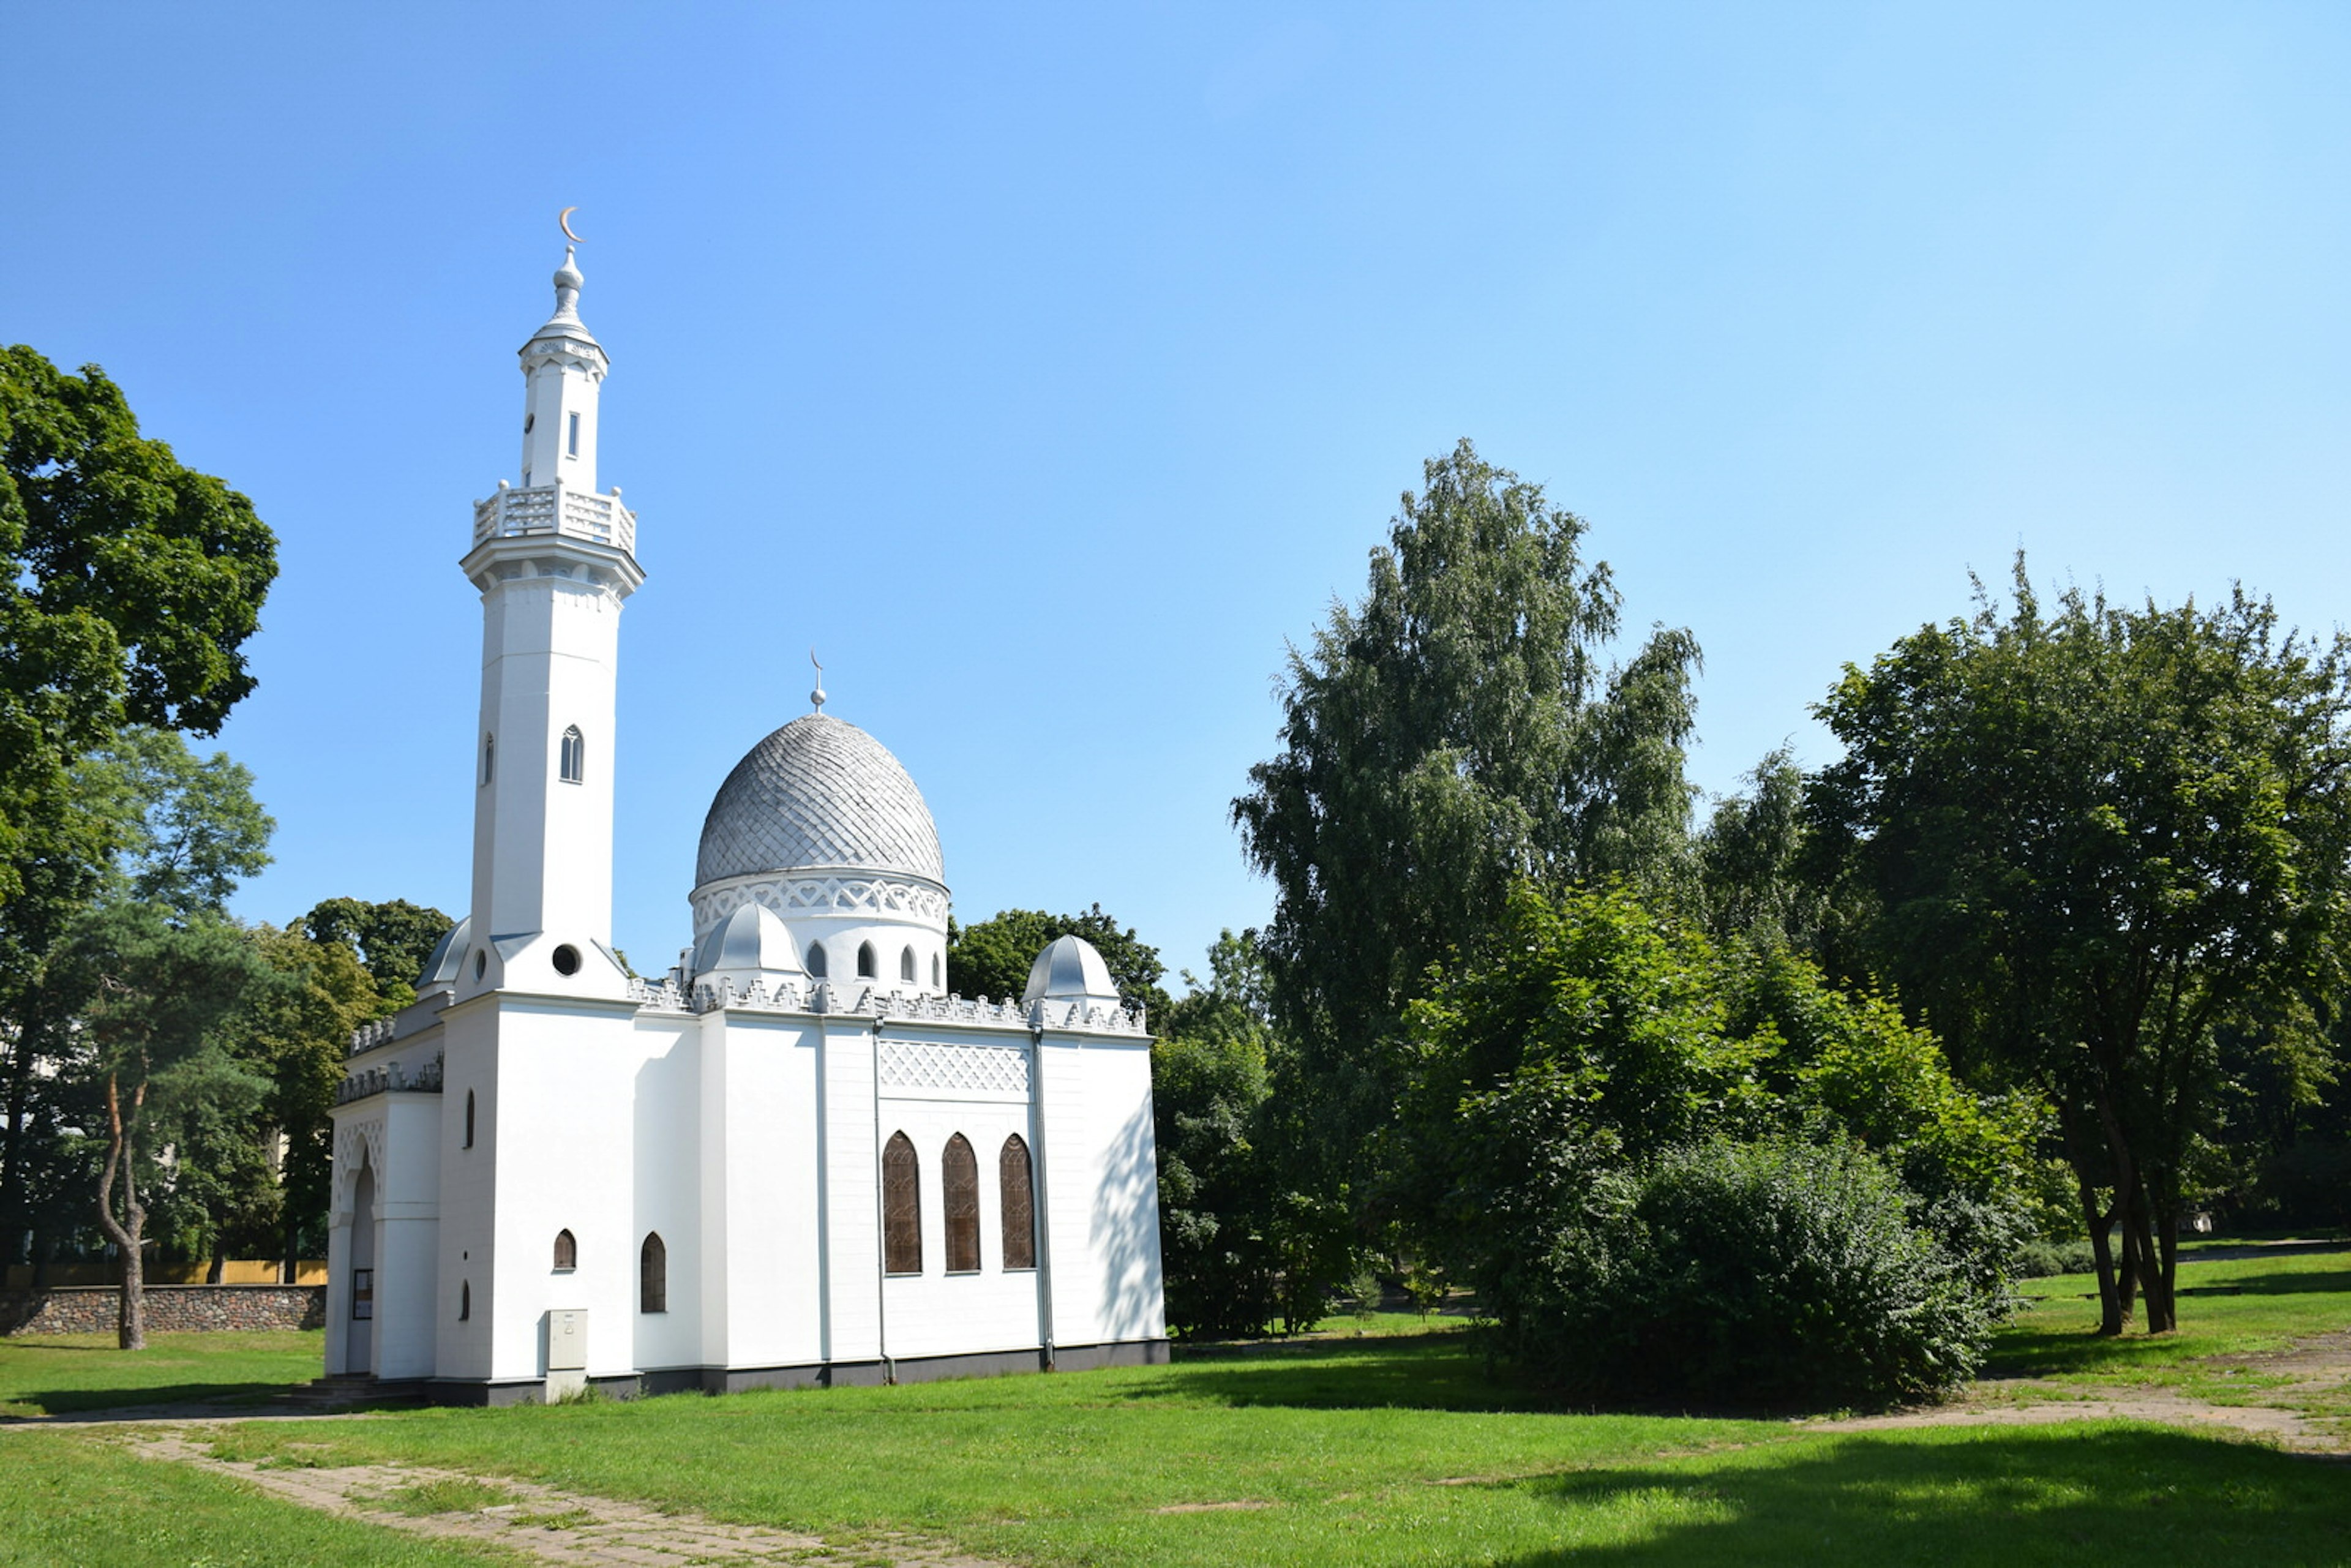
818,792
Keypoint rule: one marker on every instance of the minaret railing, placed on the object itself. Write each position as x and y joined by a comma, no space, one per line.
556,509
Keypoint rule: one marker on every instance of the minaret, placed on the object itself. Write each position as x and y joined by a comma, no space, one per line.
554,559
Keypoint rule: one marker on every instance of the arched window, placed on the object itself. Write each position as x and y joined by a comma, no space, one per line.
575,757
868,967
816,961
567,1252
489,757
938,984
906,966
960,1181
465,1300
1015,1185
653,1275
469,1118
901,1215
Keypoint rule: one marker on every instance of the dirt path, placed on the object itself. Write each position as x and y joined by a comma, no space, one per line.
548,1525
2319,1369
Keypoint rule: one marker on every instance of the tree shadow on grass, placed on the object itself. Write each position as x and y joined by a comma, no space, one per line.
2043,1352
2094,1493
1438,1371
86,1401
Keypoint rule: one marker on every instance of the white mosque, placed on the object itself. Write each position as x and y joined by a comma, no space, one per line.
796,1159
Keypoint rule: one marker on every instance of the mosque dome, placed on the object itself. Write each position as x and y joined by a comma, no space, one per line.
819,794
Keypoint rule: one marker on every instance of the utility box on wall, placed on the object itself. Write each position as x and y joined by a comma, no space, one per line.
566,1352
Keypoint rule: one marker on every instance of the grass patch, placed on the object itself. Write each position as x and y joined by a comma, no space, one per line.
2276,1302
1387,1450
59,1375
458,1496
72,1501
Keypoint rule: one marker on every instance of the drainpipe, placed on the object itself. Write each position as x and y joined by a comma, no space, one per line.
881,1230
1043,1205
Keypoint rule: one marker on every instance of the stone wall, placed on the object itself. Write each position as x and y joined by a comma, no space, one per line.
170,1309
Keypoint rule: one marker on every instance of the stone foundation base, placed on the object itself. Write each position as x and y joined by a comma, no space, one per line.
835,1374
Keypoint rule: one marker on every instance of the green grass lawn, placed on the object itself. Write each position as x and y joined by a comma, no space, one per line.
1394,1449
68,1500
2230,1307
54,1374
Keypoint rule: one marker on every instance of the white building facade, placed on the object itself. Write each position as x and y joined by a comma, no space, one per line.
795,1158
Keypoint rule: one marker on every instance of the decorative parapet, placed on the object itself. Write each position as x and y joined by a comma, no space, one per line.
822,997
557,509
390,1079
368,1036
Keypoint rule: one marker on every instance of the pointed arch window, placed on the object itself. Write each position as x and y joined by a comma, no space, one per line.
906,966
469,1119
901,1199
574,760
868,965
653,1275
1016,1184
567,1253
960,1181
936,982
816,964
489,757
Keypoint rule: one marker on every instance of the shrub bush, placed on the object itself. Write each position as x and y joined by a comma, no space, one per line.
1778,1273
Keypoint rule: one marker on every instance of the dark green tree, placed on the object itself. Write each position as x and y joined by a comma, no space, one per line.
1455,732
2095,839
127,587
992,957
150,1043
392,939
166,829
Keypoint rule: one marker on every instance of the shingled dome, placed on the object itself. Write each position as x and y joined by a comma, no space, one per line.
817,793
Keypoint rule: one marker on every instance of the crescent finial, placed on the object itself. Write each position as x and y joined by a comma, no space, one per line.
563,222
817,697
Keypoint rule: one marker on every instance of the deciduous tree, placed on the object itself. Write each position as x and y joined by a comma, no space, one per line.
2095,837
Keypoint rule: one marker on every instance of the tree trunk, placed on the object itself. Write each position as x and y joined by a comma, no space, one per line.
2111,1309
127,1232
16,1221
218,1267
2161,1232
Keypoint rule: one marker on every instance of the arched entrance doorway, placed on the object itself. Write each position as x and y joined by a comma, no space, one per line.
359,1354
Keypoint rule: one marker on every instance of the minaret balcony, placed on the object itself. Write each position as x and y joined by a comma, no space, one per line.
557,509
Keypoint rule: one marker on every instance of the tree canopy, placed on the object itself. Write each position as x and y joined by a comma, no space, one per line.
1454,732
128,584
992,957
2096,839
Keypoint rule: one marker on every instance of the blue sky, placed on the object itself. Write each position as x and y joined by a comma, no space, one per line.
1046,368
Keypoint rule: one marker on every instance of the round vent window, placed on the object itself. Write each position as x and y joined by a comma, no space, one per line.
567,959
481,963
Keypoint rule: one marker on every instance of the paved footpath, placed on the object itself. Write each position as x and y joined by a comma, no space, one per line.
545,1523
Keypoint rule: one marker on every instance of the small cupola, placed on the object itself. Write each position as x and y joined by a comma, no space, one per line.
1068,969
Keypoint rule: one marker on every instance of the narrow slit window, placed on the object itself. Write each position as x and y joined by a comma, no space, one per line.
465,1300
1016,1185
469,1119
816,966
572,437
937,983
959,1180
902,1217
489,757
575,757
653,1275
567,1252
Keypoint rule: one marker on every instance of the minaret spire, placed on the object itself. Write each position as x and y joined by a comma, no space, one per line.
554,559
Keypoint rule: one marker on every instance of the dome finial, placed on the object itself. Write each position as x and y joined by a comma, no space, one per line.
817,697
